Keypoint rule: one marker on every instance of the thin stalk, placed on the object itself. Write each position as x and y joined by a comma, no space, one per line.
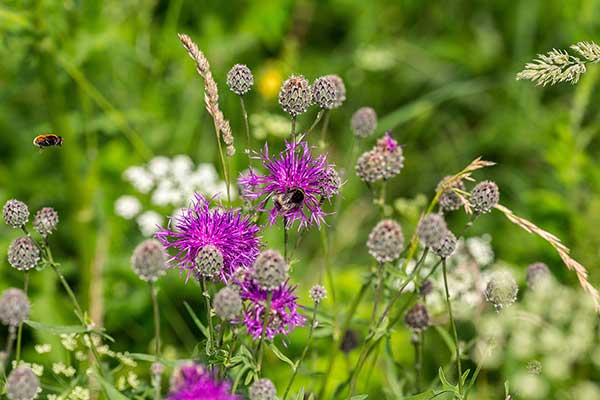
154,295
10,341
382,198
453,326
260,346
378,293
208,311
293,133
419,360
327,262
304,352
325,126
222,158
342,332
246,125
20,329
316,121
285,240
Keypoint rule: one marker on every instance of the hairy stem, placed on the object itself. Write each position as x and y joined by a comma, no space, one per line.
453,326
20,329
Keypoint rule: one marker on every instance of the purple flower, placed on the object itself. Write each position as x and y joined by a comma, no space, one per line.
283,317
296,181
192,382
198,226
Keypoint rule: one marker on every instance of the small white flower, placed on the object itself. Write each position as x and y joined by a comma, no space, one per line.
37,369
132,380
79,393
43,348
165,193
69,341
127,206
205,174
141,179
149,222
58,368
181,166
159,166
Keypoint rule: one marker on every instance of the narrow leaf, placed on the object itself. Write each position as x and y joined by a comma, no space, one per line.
56,329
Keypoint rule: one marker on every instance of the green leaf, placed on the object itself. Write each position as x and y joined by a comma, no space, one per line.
56,329
196,320
300,395
446,385
464,377
111,392
282,356
359,397
422,396
151,358
447,339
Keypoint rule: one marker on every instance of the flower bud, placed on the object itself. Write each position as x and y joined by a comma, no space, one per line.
149,260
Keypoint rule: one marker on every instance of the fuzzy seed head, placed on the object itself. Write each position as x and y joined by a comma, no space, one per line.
149,260
323,93
45,221
227,303
317,293
447,246
209,262
340,90
23,254
449,200
386,241
14,307
270,270
537,273
370,166
262,389
417,318
295,95
501,291
240,79
15,213
432,230
484,197
364,122
22,384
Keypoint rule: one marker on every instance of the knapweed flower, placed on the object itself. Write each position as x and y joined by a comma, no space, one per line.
296,181
201,225
331,184
193,382
15,213
317,293
386,241
262,389
295,95
391,151
23,254
240,79
447,246
449,200
417,318
14,307
270,270
536,274
484,197
45,221
283,315
501,290
370,166
22,384
364,122
323,92
432,230
340,90
227,303
149,260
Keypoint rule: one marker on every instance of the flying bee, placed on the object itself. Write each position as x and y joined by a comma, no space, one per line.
47,140
289,201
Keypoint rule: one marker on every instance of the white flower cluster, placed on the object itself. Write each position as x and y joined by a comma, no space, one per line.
165,183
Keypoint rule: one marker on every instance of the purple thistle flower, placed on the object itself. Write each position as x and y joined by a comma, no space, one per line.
198,226
193,382
297,182
284,310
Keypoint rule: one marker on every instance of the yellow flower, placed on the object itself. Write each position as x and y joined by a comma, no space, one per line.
269,82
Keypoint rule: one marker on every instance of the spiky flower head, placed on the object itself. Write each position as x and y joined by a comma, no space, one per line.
14,307
449,200
22,384
350,341
240,79
149,260
192,382
201,225
536,274
393,158
484,196
323,92
386,241
23,254
332,182
340,90
447,246
432,230
417,318
270,270
209,262
15,213
227,303
295,95
501,290
364,122
262,389
45,221
317,293
284,316
370,166
295,181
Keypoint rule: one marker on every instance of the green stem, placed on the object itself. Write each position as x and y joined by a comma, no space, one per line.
260,346
293,133
345,325
10,341
304,352
222,158
20,329
419,359
246,125
327,262
285,240
378,293
453,326
154,295
316,121
324,127
206,296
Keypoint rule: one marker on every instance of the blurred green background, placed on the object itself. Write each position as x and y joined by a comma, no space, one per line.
112,78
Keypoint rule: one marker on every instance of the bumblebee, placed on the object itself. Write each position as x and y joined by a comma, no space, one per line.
289,201
47,140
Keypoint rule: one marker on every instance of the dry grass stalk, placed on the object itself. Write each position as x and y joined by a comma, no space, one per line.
563,252
211,95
